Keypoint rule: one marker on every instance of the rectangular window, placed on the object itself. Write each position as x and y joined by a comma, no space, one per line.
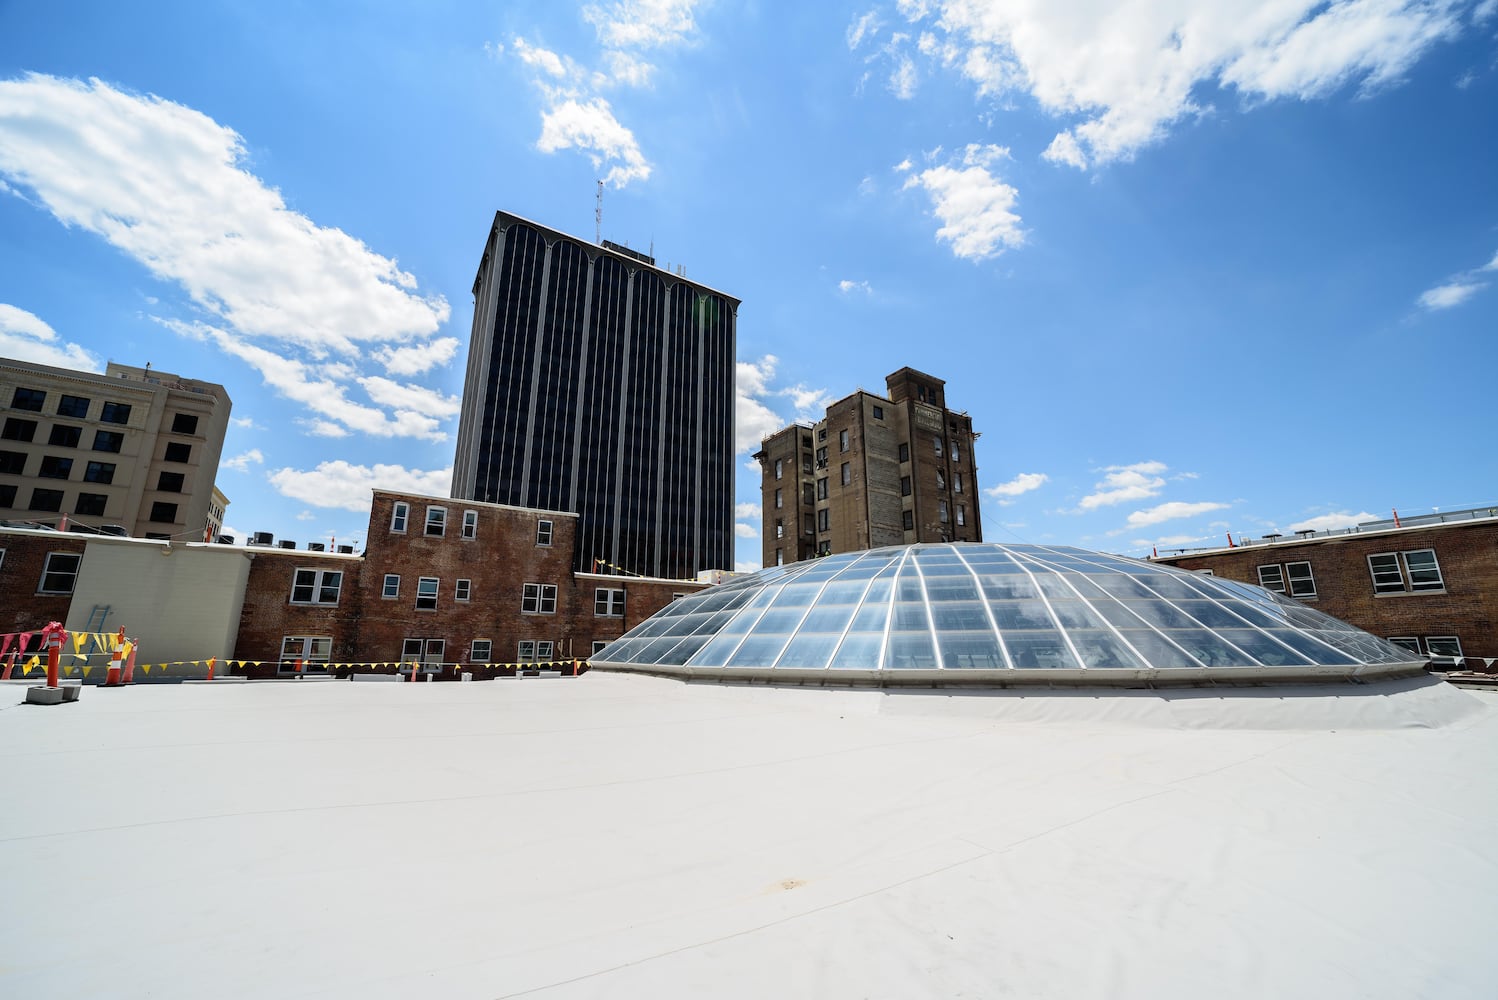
822,489
59,573
481,651
1408,642
1424,573
1302,582
543,532
28,399
423,651
316,586
778,468
65,436
956,482
842,440
779,557
176,451
73,406
598,645
1445,647
392,586
941,480
534,650
821,458
436,521
904,452
426,593
809,525
961,515
307,648
936,442
99,472
7,496
400,512
907,520
108,441
808,494
956,452
905,486
878,413
17,429
822,519
91,504
608,602
115,413
164,513
184,423
463,591
943,512
1272,578
470,524
779,500
539,599
847,474
821,434
13,463
1386,576
171,482
1415,571
824,549
54,467
46,499
779,528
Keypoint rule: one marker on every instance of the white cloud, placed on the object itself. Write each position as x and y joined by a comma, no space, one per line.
1124,483
863,26
1022,483
343,485
410,398
846,286
1123,73
747,511
417,358
306,515
902,79
241,462
976,209
592,128
1333,522
248,423
753,420
1172,511
544,61
26,337
747,567
642,23
743,530
1449,295
1491,265
811,404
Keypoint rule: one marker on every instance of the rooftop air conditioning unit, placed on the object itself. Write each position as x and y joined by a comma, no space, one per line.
346,550
262,538
287,543
316,547
226,539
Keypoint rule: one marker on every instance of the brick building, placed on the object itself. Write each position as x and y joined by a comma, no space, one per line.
876,470
440,581
1428,583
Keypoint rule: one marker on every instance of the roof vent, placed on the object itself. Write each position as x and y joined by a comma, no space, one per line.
262,538
287,543
346,550
316,547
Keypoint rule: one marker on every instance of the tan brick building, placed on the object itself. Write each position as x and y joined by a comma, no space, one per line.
876,470
1430,583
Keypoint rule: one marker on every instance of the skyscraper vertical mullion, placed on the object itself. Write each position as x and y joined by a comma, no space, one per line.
538,352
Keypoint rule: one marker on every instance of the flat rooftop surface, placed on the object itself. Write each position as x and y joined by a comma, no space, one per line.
621,836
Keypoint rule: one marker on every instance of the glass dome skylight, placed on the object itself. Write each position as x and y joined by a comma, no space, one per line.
994,613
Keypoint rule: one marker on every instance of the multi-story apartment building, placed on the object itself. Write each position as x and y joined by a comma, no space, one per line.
876,470
133,449
1429,583
601,384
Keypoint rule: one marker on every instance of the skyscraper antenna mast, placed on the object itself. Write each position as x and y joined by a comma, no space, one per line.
598,217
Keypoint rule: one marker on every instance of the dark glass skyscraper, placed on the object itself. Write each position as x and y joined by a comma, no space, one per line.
601,384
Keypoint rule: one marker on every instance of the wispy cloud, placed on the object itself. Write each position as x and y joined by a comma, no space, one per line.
975,208
242,461
26,337
747,511
742,530
848,286
1123,483
343,485
1023,483
1459,288
1333,522
1172,511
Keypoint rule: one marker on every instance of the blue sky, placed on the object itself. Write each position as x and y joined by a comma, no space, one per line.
1193,267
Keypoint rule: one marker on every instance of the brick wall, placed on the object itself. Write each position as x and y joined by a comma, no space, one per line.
22,608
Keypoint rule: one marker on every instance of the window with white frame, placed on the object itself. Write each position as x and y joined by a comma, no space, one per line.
534,650
463,591
470,524
436,521
392,587
316,586
60,573
539,599
1302,582
428,652
608,602
481,650
1443,647
307,648
1413,571
598,645
400,513
1272,577
543,532
1409,642
426,593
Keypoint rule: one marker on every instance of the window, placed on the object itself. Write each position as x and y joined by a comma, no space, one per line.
904,452
463,591
878,413
907,520
46,499
905,486
1302,582
956,452
99,472
941,480
534,650
316,586
778,467
115,413
822,520
961,515
436,521
543,532
399,514
598,645
1443,646
108,441
176,451
956,482
779,528
423,651
1271,578
392,587
779,557
824,549
779,500
59,573
164,513
539,599
808,494
65,436
943,512
481,650
847,474
936,442
18,430
1415,571
470,524
608,603
806,462
821,434
7,496
426,593
13,462
822,489
1408,642
73,406
170,482
307,648
2,557
842,440
28,399
809,525
821,458
91,503
54,467
184,423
